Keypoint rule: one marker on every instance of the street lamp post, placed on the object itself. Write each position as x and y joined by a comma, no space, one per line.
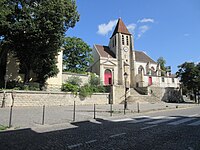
125,98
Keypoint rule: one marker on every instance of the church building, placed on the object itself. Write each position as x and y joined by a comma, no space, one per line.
120,64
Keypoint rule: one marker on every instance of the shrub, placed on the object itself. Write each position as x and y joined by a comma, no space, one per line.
97,89
12,84
33,86
85,91
68,87
94,80
72,85
74,80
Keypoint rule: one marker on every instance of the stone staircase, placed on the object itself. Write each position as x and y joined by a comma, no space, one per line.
134,92
136,97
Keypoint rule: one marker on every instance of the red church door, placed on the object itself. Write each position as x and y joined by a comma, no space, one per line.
107,77
150,80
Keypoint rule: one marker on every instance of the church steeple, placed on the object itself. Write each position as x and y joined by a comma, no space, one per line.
120,28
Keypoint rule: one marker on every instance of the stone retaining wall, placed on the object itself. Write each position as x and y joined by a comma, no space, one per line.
167,94
32,98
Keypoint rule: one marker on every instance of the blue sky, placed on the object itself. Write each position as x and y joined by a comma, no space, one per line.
167,28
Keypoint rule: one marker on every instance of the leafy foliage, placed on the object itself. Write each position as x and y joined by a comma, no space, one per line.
94,86
73,85
33,86
162,63
86,91
189,73
94,80
34,31
74,80
76,55
2,127
68,87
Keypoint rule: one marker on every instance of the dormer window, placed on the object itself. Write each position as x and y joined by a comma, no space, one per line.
122,39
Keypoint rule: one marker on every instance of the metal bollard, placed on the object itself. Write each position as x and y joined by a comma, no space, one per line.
74,111
110,109
94,111
3,102
43,114
124,109
10,120
138,107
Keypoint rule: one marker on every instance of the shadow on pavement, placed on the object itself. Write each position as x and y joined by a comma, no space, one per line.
86,135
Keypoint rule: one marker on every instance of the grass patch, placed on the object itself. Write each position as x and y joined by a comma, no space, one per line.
3,127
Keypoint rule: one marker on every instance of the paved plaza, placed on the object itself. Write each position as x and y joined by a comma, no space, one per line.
29,117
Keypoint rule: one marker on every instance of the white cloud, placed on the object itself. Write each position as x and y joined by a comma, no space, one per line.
186,34
131,27
103,29
145,20
142,30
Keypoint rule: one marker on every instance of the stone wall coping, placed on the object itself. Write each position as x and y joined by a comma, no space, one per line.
70,73
44,92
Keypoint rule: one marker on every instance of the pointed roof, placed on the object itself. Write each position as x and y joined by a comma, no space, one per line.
105,51
120,28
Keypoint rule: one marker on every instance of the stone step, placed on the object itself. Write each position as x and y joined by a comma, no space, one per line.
133,92
143,98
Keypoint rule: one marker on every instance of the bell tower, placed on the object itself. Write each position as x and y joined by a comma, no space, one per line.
121,44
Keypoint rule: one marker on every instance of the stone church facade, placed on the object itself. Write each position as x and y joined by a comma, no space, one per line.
120,58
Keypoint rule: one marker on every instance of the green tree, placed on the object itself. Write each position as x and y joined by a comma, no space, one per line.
162,63
76,55
34,31
189,74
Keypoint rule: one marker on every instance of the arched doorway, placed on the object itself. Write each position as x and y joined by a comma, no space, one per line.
150,81
108,77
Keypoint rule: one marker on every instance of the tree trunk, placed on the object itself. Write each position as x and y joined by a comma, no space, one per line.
27,74
3,61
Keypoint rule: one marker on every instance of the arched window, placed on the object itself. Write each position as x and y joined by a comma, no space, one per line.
108,77
127,43
122,39
140,70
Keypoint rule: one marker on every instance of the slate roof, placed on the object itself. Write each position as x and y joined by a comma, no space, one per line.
142,57
120,28
105,51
